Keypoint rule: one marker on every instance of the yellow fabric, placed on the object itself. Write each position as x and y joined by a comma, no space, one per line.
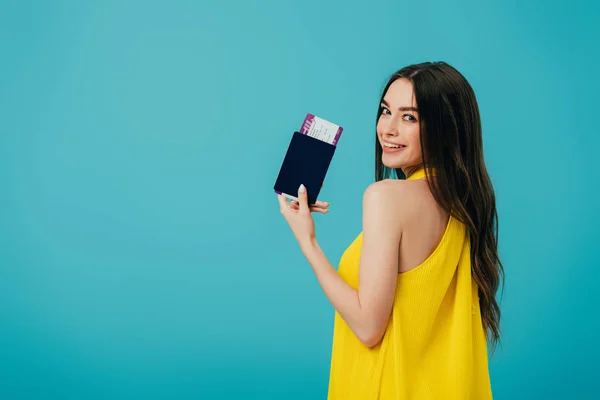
434,347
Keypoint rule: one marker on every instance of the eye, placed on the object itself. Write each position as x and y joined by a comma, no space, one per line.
408,117
385,111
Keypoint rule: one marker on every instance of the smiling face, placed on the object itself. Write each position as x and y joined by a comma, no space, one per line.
398,127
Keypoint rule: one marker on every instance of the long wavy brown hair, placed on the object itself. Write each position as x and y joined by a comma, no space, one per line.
452,144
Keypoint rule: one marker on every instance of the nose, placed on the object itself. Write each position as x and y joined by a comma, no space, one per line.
390,128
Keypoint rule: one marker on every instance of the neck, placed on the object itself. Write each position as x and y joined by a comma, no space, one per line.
408,171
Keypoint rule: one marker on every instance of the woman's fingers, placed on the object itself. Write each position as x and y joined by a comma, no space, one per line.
318,204
322,209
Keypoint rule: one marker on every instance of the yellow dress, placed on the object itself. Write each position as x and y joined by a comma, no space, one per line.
434,347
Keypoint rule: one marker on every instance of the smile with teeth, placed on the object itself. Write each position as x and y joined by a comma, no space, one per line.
393,146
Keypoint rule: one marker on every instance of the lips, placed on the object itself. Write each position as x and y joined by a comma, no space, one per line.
389,147
393,145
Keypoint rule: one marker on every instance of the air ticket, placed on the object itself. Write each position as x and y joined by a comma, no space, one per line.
321,129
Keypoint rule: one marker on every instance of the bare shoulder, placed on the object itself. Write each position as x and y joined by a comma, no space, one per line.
391,194
390,201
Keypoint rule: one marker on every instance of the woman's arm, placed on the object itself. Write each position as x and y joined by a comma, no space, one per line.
368,309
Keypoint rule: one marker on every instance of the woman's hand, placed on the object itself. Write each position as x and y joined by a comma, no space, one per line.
298,215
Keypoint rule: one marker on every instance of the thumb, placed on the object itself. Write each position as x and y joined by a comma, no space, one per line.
303,198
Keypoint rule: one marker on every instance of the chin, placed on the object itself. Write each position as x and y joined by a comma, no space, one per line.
390,162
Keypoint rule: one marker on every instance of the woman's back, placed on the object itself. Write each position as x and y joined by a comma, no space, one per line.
423,226
434,346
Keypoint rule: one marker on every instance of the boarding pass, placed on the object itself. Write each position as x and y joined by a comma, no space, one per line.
321,129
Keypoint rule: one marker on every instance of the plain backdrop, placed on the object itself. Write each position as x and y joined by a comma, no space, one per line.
142,252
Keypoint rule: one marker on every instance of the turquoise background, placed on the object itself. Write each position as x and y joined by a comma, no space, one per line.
142,252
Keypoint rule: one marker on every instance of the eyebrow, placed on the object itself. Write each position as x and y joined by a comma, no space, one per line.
401,108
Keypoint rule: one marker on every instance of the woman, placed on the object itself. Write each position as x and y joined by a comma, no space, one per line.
414,293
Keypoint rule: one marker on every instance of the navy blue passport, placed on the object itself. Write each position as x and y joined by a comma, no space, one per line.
306,162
